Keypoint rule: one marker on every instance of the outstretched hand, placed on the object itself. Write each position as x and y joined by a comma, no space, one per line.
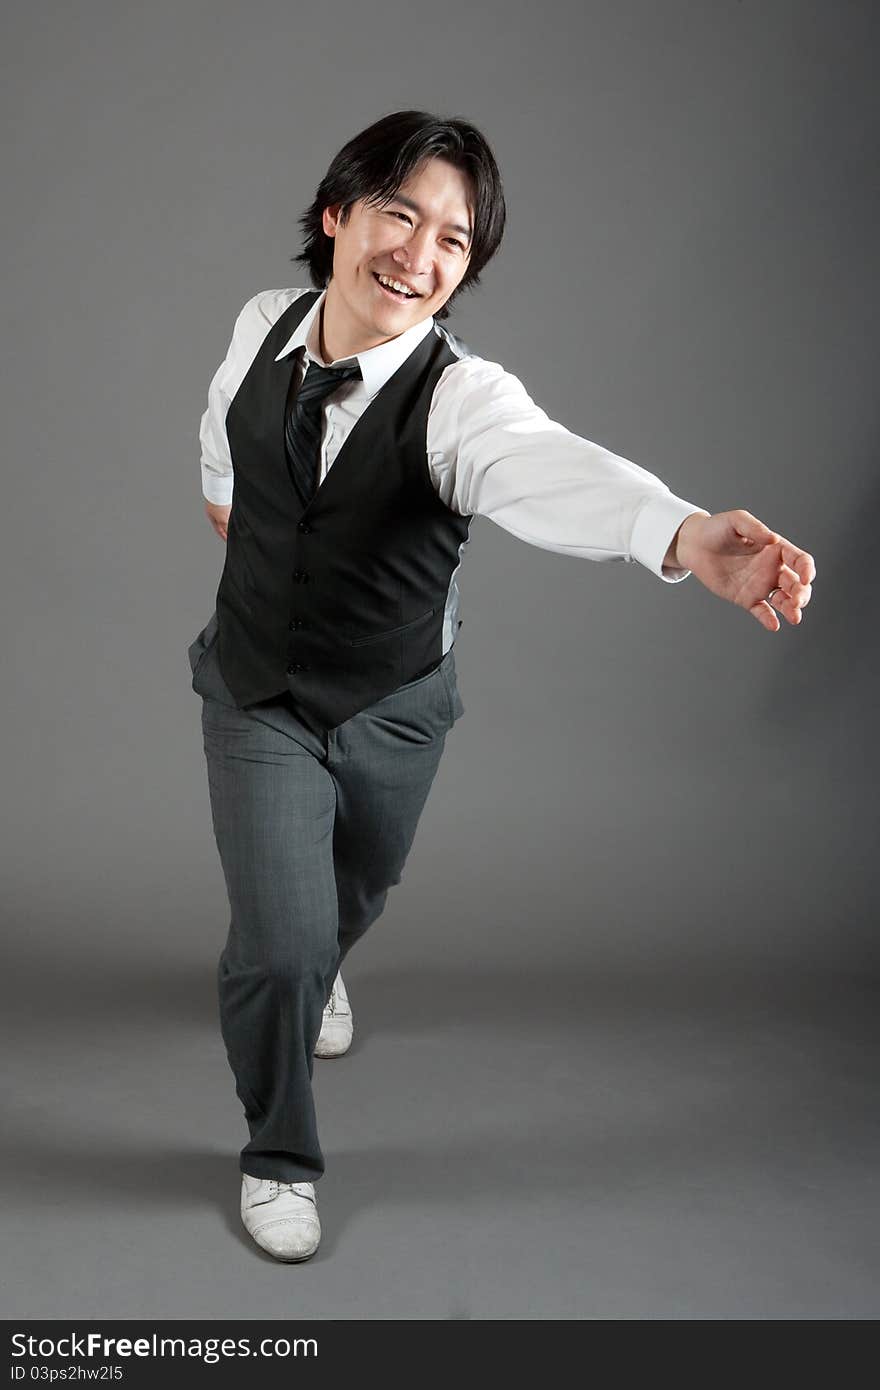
740,559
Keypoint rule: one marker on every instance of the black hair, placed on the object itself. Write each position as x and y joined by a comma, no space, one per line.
374,164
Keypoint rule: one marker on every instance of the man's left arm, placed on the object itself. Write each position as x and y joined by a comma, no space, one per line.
493,452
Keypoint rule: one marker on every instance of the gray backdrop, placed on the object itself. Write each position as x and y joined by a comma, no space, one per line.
615,1031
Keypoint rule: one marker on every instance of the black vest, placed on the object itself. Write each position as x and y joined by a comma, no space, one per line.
343,602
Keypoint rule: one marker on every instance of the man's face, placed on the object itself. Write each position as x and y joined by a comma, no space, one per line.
421,239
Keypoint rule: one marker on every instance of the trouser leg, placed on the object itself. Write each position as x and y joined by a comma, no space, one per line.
312,830
383,763
273,807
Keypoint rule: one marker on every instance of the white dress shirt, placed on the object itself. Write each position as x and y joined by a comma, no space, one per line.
491,450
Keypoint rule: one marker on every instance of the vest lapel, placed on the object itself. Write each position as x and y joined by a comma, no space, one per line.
385,405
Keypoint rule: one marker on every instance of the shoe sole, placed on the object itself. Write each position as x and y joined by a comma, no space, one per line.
326,1056
329,1051
287,1259
282,1259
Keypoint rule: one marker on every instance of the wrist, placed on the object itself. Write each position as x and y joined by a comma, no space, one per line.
682,545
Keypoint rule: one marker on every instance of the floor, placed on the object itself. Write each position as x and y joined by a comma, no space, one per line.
501,1143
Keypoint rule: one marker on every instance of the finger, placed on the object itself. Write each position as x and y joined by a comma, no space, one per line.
751,529
788,607
765,615
799,560
789,581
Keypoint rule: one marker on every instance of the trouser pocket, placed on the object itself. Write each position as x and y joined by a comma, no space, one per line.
198,649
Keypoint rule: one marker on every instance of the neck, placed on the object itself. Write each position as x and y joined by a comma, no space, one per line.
339,333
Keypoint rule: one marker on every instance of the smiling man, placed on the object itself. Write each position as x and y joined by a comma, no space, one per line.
348,441
396,265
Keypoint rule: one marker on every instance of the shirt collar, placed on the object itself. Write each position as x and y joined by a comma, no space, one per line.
377,364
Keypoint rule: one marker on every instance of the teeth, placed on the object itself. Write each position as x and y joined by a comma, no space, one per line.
396,285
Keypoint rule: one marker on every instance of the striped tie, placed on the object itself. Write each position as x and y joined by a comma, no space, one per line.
302,430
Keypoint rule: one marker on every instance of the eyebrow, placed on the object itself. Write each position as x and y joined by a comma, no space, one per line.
414,207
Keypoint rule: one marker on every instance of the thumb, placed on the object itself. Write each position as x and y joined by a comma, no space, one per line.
751,529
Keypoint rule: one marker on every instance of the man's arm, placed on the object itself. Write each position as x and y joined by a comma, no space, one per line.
251,326
494,452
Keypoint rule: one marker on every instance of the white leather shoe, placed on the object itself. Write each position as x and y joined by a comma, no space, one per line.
282,1217
337,1027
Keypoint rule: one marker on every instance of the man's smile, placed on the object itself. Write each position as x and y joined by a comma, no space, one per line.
396,289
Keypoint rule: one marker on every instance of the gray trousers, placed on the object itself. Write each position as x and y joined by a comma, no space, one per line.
313,826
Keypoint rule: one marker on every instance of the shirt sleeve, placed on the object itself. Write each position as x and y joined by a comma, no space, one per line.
251,327
217,481
493,452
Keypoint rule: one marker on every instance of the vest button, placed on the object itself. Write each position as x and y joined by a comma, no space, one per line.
300,576
296,623
304,527
296,667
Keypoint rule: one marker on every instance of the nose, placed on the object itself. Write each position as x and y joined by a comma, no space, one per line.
413,255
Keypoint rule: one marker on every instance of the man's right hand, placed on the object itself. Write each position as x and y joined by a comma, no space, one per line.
218,517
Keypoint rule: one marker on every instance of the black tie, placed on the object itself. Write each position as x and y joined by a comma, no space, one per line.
302,430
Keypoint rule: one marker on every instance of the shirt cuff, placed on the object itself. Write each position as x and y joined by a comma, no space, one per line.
215,489
654,529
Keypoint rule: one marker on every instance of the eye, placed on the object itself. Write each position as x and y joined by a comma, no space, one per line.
453,241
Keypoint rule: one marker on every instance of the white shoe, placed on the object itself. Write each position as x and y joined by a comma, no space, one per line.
282,1217
337,1027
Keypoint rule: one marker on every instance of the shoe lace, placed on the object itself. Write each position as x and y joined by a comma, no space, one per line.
296,1187
330,1006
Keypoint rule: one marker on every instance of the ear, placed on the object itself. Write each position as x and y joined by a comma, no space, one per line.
330,219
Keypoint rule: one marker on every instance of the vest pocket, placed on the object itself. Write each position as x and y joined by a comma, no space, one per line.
391,631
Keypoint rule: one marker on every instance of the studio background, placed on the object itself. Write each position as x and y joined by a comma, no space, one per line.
616,1031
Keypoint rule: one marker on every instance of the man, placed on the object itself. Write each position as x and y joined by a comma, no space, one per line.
347,443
